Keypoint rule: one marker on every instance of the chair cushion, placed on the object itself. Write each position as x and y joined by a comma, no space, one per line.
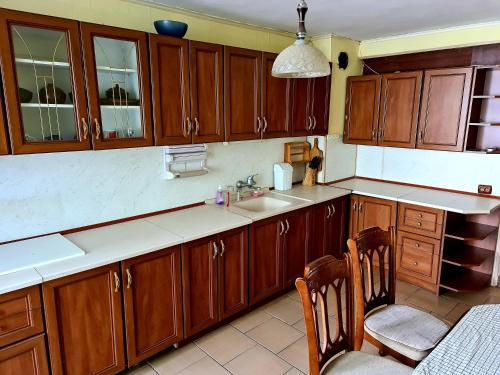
359,363
409,331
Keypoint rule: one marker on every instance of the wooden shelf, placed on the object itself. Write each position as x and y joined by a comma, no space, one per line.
484,123
486,97
464,255
56,64
116,70
37,105
467,230
465,280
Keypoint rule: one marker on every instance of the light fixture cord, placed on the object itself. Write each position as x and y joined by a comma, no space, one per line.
302,10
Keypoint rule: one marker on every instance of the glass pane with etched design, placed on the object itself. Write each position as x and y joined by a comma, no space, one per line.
44,84
119,89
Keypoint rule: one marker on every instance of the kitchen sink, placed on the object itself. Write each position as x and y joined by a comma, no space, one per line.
261,204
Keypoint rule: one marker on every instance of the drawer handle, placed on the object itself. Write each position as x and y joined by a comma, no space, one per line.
415,263
419,224
329,212
417,244
117,282
420,215
216,250
223,248
129,278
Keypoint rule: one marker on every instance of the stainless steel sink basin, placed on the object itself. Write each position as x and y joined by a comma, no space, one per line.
261,204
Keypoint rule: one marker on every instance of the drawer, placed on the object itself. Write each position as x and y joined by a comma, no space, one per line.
420,220
418,256
28,357
20,315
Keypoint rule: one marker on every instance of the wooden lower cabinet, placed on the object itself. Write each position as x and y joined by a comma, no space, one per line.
214,279
84,320
28,357
367,212
295,245
152,302
265,258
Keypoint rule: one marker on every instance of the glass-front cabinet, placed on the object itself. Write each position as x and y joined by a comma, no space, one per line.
4,148
43,83
118,86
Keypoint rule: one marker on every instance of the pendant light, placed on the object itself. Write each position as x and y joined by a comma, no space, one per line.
301,59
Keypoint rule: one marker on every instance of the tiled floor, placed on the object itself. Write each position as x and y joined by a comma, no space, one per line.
271,339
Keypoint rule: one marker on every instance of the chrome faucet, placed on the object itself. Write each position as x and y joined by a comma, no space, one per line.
242,184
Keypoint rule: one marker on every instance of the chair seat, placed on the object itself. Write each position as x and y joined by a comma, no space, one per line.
409,331
359,363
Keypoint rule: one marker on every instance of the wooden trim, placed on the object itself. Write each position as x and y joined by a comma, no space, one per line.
31,352
4,144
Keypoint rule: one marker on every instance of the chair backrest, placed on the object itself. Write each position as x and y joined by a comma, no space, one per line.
327,276
370,244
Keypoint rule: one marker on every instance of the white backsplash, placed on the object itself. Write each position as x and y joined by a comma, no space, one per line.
46,193
443,169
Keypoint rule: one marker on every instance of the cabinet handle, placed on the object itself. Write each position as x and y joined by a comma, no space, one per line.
329,212
189,125
197,126
420,215
420,136
259,125
417,244
287,226
216,250
381,134
419,224
223,248
282,228
85,127
415,263
265,124
117,282
333,210
314,122
97,129
360,206
354,206
129,278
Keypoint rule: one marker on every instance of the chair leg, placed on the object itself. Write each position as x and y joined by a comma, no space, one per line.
381,352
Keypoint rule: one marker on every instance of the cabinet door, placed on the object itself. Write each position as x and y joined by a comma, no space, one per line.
362,108
242,90
317,247
153,303
205,64
353,216
296,245
399,106
4,148
375,212
266,276
27,357
118,86
320,104
170,81
301,118
83,313
443,116
335,233
276,105
199,284
233,272
42,75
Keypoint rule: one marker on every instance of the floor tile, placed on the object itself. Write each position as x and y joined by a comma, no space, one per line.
285,309
428,301
251,320
458,311
369,348
294,371
258,360
205,366
297,354
493,291
492,299
294,294
143,370
404,289
224,344
467,298
275,335
176,360
300,326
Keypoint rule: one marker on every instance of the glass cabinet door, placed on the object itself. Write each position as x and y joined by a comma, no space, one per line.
116,63
43,83
4,149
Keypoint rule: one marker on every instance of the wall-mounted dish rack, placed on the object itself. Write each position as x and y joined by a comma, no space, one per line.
185,161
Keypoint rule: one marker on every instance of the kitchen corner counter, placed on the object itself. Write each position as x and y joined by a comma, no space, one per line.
316,194
448,201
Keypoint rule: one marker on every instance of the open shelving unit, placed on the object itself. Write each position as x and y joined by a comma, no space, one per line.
468,252
483,128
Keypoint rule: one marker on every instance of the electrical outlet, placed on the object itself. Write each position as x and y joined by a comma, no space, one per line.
484,189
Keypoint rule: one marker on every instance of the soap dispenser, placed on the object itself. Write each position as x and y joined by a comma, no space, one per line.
219,196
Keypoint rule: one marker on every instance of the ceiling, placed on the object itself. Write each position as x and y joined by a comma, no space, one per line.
356,19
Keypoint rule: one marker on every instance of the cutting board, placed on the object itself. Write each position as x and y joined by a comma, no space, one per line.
315,151
35,252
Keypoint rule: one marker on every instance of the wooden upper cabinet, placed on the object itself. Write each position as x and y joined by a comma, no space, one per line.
43,83
199,284
118,86
276,105
362,109
233,271
28,357
295,245
320,104
242,92
153,303
205,64
265,258
399,106
170,82
83,313
445,100
301,119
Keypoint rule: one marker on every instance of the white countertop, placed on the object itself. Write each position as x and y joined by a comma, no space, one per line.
317,194
454,202
19,280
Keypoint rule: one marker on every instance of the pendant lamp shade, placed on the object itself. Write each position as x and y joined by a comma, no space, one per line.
301,59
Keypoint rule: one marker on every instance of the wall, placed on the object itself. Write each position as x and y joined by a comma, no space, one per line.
449,170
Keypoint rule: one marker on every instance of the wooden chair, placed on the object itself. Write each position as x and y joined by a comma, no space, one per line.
333,355
404,332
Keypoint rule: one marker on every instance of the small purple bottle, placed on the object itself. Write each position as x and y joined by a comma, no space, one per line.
219,196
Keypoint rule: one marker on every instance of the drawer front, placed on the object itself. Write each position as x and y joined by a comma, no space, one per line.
28,357
20,315
418,256
420,220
